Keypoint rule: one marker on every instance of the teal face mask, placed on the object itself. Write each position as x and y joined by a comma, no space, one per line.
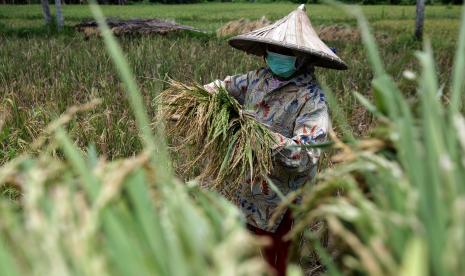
281,65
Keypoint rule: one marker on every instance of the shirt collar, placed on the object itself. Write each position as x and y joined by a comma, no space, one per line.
300,80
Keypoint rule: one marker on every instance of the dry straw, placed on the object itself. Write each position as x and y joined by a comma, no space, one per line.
241,26
120,27
220,145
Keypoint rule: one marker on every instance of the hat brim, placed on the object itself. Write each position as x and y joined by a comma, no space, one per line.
257,47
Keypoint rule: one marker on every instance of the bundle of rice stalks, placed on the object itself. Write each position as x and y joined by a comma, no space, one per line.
221,141
241,26
121,27
338,32
344,32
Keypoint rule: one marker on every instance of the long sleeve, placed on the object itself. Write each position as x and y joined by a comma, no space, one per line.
236,86
311,126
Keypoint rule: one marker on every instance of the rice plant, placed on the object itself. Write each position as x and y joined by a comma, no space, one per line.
86,216
220,145
398,208
81,215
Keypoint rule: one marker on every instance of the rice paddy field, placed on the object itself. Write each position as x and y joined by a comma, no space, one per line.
79,173
65,69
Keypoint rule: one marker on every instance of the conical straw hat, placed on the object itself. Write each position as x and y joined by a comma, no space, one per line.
293,32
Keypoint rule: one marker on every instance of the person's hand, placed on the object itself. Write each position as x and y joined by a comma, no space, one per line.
213,87
247,113
175,117
253,115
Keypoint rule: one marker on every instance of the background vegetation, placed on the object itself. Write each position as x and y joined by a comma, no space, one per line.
43,72
129,2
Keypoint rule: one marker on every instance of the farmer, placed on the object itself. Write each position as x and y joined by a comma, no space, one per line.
285,97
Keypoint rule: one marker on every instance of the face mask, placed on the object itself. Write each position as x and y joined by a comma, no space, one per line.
281,65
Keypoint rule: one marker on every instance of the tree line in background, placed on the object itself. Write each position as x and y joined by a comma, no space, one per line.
124,2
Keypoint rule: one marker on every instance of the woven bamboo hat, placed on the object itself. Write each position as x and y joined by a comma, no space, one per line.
294,32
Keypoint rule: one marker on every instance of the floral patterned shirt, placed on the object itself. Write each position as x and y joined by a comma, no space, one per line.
295,110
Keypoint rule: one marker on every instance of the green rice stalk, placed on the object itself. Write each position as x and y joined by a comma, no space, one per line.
399,210
214,137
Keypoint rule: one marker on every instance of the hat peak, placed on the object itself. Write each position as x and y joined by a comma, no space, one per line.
302,7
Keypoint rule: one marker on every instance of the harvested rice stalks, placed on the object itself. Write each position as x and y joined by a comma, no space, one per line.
241,26
337,32
220,145
120,27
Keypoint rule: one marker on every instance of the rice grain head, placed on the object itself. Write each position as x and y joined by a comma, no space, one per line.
220,146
